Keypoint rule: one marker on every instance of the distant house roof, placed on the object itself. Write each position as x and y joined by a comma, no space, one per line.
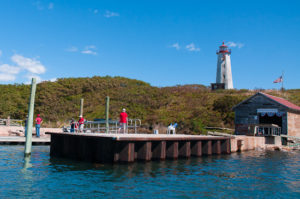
278,100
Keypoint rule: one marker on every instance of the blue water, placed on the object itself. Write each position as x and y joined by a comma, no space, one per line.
254,174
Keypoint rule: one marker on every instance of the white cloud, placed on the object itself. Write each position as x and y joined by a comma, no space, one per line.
96,11
8,69
7,77
235,44
51,6
91,50
31,65
176,46
91,47
53,79
192,47
109,14
72,49
41,6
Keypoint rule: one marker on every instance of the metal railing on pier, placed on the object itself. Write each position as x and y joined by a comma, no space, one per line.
99,126
11,122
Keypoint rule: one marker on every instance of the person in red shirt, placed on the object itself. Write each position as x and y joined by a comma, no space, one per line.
38,122
123,120
81,123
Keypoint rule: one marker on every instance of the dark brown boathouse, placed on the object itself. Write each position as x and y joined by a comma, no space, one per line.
267,115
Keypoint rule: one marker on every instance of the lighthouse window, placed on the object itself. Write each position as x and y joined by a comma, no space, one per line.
224,76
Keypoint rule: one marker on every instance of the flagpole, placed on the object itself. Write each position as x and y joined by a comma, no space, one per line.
282,81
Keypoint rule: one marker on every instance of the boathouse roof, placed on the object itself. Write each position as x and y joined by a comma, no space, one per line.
278,100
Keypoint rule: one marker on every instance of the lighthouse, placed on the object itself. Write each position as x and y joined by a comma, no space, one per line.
224,75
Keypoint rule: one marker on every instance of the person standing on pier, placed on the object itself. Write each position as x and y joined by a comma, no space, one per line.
72,124
123,121
81,123
38,122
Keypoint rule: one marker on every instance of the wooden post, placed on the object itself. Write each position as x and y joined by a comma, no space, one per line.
225,146
216,147
206,147
81,107
28,143
172,149
196,148
125,151
184,149
159,150
107,115
143,150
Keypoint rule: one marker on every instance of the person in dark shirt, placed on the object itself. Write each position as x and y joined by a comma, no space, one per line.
72,124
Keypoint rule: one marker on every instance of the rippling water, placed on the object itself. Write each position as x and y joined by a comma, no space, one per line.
255,174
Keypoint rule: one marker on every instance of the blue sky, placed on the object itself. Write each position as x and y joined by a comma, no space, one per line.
164,43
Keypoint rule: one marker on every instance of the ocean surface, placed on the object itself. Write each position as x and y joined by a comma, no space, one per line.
253,174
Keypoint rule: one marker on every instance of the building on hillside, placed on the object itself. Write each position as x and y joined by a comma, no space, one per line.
224,75
267,115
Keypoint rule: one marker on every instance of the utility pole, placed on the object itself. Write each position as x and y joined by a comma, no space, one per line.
28,143
81,107
107,114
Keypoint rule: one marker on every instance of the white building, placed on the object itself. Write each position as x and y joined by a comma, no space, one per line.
224,75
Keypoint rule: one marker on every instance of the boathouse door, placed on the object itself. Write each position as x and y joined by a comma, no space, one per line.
270,119
270,116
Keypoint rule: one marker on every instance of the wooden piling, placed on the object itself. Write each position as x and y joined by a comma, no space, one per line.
184,149
158,150
172,149
207,147
125,151
196,148
143,150
216,147
225,146
28,142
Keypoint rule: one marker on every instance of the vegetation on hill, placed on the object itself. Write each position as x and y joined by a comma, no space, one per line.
193,107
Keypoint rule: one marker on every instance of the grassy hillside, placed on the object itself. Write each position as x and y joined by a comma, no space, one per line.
193,107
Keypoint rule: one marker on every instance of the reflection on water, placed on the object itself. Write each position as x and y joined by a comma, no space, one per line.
250,174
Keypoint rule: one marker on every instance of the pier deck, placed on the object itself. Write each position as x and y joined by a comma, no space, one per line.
102,148
17,140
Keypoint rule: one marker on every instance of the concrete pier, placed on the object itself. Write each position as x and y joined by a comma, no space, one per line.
113,148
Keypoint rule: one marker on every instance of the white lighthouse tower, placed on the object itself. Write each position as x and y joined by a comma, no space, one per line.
224,76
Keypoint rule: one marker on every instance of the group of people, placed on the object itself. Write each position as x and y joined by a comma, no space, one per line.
79,125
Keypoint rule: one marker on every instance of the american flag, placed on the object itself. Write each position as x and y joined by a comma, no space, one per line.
278,80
